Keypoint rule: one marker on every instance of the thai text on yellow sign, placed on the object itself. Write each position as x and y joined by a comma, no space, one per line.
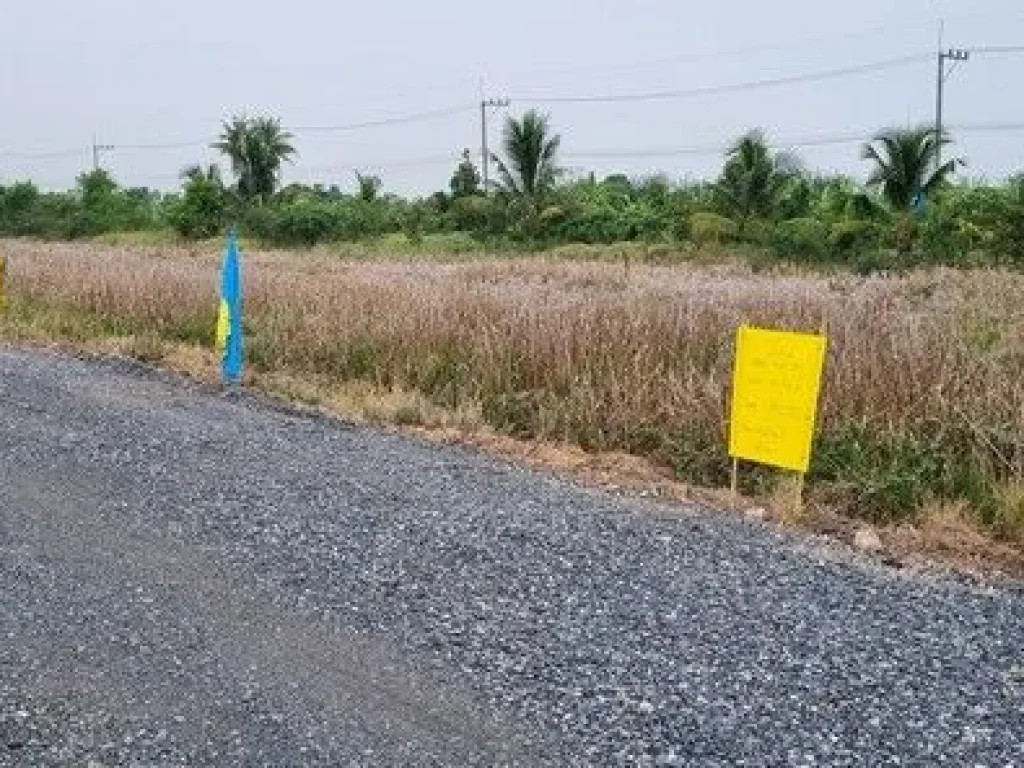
775,397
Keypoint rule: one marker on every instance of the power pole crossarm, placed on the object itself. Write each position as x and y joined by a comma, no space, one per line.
96,149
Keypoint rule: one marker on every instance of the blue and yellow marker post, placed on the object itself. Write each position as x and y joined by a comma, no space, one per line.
229,316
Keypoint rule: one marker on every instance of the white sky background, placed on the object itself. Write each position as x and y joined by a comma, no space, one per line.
154,72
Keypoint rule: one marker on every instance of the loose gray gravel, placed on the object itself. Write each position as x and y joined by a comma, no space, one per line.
196,578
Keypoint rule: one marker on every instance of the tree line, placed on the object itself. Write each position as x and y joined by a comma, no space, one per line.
910,210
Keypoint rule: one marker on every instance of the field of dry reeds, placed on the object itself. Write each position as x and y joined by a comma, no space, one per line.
923,402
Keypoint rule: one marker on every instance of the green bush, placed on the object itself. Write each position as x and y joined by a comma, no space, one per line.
591,224
474,213
757,232
202,210
25,211
941,239
18,204
871,261
303,222
513,413
615,210
888,478
712,228
1006,244
801,240
306,221
98,206
451,242
852,236
105,207
828,218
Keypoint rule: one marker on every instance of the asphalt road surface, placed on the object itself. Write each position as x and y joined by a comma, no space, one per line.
189,577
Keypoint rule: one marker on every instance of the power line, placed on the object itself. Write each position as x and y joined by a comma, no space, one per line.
987,127
46,155
468,108
802,42
205,142
956,56
367,125
379,165
714,90
712,149
434,114
163,146
818,140
704,55
465,108
996,49
800,142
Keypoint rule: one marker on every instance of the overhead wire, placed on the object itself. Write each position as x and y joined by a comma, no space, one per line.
799,142
751,85
463,108
205,142
995,49
160,146
434,114
44,155
762,47
415,162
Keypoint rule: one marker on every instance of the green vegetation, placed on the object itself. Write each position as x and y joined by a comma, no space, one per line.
256,147
466,179
756,182
904,161
764,202
528,171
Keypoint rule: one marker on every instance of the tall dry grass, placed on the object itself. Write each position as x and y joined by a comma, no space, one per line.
924,396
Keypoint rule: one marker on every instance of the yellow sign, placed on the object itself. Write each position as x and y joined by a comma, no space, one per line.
775,397
223,326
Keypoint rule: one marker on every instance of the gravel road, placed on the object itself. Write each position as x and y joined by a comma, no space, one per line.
196,578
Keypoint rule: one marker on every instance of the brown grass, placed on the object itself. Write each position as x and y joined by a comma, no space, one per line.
947,533
581,353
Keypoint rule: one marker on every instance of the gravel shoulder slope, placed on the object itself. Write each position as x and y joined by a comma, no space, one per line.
188,577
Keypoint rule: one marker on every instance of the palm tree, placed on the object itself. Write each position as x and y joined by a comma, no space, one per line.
529,171
256,148
197,173
754,178
905,160
369,187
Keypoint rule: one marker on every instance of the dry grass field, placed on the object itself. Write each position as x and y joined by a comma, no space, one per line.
923,403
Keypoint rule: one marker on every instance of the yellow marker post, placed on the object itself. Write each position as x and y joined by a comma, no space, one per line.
776,385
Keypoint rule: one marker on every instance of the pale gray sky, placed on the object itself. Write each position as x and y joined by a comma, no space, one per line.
160,72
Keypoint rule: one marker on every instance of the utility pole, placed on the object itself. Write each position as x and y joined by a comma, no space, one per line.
954,55
96,149
485,155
